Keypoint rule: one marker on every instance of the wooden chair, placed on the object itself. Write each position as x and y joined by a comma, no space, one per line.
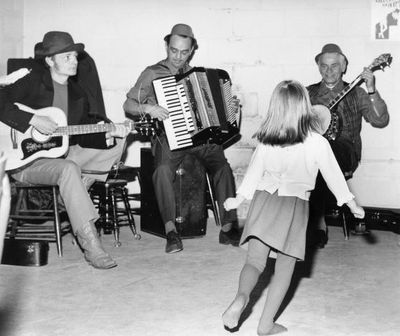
35,222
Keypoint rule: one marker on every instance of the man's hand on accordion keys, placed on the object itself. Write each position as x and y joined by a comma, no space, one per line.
157,112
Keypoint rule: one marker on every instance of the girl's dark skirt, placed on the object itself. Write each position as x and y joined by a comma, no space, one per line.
279,222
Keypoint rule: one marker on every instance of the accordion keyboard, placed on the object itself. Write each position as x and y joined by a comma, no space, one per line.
200,106
170,96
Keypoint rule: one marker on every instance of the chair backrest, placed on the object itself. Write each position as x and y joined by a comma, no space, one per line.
14,64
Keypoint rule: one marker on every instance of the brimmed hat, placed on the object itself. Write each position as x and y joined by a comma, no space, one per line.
57,42
183,30
331,48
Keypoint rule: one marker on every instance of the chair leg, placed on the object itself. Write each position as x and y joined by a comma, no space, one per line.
21,200
214,202
57,222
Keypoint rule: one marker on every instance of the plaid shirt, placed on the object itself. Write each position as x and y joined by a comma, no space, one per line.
355,106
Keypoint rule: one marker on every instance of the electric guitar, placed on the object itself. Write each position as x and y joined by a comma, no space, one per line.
21,149
335,126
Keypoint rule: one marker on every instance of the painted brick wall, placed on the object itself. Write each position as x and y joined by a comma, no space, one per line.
11,31
259,42
11,39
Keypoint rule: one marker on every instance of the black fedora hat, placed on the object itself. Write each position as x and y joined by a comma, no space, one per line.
57,42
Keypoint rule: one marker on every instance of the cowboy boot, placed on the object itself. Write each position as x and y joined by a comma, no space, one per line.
93,251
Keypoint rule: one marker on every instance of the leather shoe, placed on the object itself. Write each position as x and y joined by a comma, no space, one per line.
231,237
174,242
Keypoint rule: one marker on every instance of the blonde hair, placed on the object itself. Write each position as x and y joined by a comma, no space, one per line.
289,117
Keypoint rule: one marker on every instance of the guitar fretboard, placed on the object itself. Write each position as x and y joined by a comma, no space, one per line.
344,92
381,62
83,129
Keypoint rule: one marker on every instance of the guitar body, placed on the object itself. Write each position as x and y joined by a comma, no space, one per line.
22,149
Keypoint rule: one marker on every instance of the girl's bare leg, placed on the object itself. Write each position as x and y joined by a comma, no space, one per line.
256,260
278,287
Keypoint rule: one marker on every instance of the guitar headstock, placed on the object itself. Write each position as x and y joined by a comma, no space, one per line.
143,126
381,62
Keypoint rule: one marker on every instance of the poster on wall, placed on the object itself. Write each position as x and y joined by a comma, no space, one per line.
385,15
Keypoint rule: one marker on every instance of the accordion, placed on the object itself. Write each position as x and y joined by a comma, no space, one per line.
200,108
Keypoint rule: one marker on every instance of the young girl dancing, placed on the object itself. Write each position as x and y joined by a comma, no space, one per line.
281,174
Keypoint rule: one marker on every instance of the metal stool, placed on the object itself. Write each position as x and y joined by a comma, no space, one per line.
106,196
25,222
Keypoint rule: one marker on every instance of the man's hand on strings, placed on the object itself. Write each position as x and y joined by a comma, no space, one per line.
43,124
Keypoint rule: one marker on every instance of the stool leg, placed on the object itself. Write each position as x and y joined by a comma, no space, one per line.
131,219
98,201
57,222
107,206
117,243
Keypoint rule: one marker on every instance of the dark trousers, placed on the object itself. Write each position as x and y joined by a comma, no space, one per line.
321,195
167,162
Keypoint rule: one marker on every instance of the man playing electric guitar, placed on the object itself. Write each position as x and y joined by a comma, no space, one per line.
353,104
53,85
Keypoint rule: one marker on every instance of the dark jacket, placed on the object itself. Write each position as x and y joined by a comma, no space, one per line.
36,91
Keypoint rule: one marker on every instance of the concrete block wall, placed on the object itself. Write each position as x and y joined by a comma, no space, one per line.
259,42
11,31
11,39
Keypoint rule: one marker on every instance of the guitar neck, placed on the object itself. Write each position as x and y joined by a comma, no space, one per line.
344,92
84,129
